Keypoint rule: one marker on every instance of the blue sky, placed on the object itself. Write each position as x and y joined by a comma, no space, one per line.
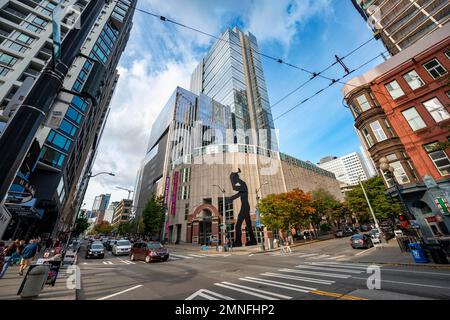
160,56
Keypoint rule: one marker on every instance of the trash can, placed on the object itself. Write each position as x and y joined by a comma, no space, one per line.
437,254
34,281
418,253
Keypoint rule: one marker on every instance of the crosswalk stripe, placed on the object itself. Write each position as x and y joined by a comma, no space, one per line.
354,265
332,275
322,256
335,265
252,291
195,255
304,279
336,257
104,262
283,285
328,269
180,256
308,255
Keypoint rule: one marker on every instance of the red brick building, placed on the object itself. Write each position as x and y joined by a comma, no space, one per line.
401,110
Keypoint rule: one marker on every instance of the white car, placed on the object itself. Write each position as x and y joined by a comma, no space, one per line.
122,247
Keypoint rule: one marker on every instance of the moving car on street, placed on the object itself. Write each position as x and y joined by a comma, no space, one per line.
360,240
347,232
149,251
110,244
121,247
95,250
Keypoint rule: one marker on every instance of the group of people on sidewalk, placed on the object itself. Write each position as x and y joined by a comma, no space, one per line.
22,252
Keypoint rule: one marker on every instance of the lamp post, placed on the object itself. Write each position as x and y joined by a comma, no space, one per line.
387,169
258,218
370,208
224,226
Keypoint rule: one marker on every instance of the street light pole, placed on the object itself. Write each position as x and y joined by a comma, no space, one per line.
370,207
257,202
224,226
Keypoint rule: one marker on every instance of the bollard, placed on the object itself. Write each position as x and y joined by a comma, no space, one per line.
34,281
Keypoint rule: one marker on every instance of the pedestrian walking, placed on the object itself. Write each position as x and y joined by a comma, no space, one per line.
10,253
28,254
2,254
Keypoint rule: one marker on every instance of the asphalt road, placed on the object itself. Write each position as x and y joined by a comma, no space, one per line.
321,270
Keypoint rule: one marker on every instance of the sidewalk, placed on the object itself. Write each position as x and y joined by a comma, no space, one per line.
390,254
188,247
11,281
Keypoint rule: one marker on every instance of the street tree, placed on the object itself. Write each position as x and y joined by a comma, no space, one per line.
82,224
103,227
327,206
153,215
125,228
383,205
286,210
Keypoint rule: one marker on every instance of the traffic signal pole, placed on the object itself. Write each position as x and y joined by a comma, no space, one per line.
22,128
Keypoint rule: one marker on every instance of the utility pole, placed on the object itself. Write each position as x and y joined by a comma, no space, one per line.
22,128
370,208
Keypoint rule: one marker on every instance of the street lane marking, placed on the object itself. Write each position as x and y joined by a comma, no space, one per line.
332,275
195,255
209,295
336,295
321,256
365,251
252,291
304,279
308,255
283,285
328,269
142,262
409,283
337,257
120,292
180,256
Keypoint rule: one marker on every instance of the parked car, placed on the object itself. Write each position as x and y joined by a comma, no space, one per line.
344,233
361,241
110,244
364,228
95,250
75,246
121,247
149,251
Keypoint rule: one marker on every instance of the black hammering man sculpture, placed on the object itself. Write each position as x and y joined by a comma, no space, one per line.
239,185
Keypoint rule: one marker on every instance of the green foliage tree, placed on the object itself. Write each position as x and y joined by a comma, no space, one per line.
153,215
383,205
103,228
282,211
327,206
81,225
125,228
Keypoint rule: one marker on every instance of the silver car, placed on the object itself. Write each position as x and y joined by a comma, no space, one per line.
122,247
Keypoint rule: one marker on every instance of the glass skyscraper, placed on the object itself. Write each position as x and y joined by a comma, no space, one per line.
232,74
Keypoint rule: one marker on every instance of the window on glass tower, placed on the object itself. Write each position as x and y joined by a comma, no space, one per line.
436,109
394,89
414,119
413,79
439,157
434,68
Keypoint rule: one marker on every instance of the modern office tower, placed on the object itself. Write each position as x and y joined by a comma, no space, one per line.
232,74
45,197
100,206
401,23
347,168
109,213
122,212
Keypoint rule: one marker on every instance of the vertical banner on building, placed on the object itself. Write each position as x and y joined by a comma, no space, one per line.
174,192
166,201
5,218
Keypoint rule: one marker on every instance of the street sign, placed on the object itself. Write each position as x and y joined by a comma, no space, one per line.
443,205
